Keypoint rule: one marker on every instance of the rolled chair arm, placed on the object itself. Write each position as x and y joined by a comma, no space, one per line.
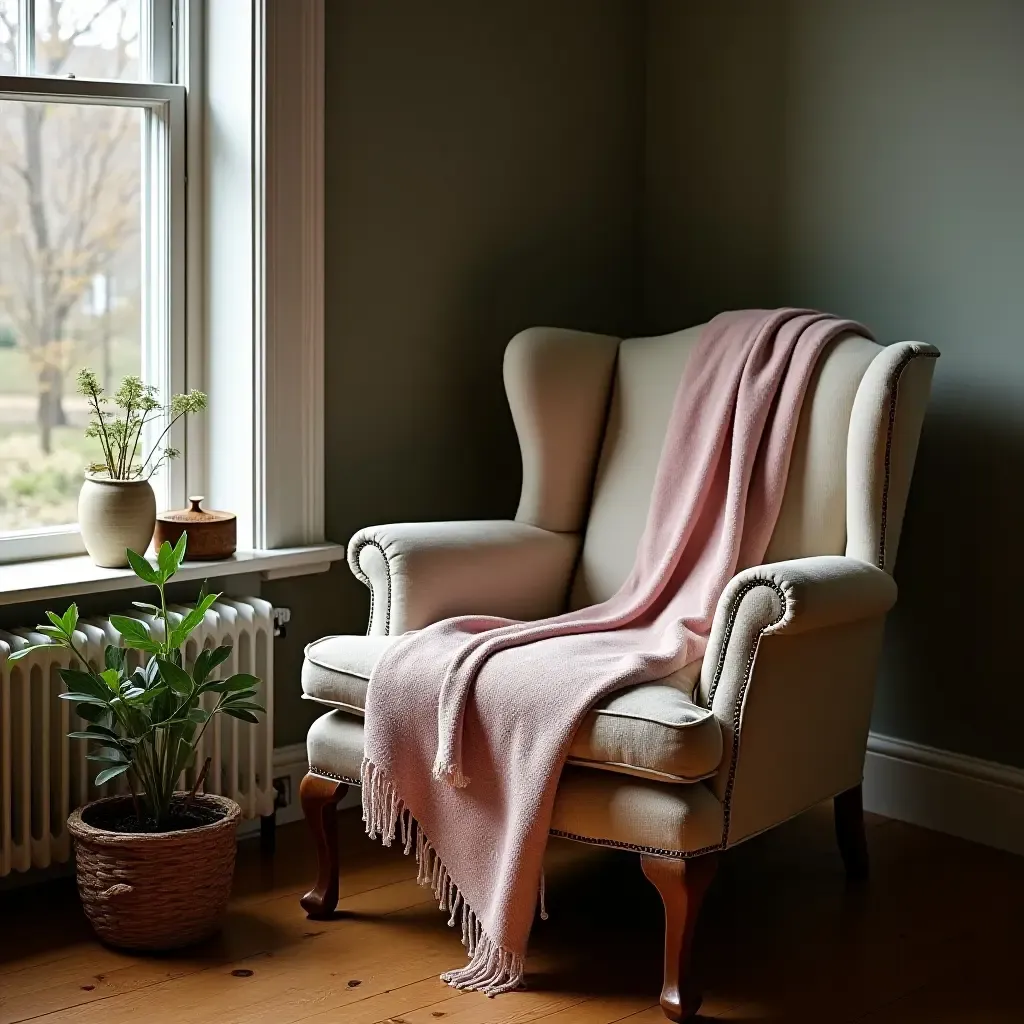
419,573
789,673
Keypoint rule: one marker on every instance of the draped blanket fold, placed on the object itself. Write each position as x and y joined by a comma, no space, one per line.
468,722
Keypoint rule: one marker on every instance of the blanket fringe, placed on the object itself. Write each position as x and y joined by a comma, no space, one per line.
492,969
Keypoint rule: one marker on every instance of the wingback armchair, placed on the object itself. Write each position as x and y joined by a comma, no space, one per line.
773,721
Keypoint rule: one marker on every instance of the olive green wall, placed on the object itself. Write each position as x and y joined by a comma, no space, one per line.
629,166
483,175
868,158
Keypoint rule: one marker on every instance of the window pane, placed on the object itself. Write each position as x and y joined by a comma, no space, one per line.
88,38
70,280
8,36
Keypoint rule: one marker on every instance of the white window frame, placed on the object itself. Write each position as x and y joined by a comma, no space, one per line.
163,224
247,323
262,165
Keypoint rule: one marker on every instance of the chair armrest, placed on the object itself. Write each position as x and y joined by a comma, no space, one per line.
789,673
419,573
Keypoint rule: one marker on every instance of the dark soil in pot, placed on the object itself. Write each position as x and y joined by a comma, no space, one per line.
121,819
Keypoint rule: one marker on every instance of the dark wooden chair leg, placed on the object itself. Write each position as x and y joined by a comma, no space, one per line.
853,846
320,798
682,885
268,833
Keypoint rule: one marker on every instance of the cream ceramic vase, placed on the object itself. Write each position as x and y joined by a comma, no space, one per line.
115,515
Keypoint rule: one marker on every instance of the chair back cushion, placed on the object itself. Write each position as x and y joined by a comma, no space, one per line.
813,516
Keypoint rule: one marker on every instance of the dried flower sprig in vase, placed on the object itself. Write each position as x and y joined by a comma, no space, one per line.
120,436
117,507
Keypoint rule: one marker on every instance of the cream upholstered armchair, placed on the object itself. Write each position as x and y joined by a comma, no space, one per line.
776,717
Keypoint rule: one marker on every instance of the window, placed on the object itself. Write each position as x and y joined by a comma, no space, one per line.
92,242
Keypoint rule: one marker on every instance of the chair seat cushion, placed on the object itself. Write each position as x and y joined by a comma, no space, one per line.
593,807
653,730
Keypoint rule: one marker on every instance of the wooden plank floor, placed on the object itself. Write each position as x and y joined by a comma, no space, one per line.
937,936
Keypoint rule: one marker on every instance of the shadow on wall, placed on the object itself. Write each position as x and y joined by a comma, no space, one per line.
951,643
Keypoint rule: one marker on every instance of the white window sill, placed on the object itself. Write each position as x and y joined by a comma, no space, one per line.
42,580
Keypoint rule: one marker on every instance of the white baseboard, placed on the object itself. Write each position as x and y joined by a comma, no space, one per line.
962,796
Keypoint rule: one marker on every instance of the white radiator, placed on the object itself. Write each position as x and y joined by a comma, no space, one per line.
44,775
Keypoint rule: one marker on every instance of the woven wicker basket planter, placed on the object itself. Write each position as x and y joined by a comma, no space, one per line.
155,890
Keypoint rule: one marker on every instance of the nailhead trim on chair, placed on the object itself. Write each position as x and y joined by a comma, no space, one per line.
894,395
360,575
744,590
331,775
615,844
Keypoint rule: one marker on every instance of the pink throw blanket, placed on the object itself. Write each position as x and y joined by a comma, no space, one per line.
468,722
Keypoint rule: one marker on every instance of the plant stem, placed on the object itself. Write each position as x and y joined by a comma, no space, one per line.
104,439
135,796
124,446
163,434
199,781
138,437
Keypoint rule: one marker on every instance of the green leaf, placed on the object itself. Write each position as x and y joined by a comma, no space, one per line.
108,755
183,630
26,651
149,695
111,773
132,692
54,632
113,657
83,682
135,634
99,732
201,666
85,698
57,621
199,715
239,681
165,560
175,677
179,553
150,609
207,661
130,629
244,705
92,713
245,716
219,655
142,568
70,620
96,737
112,678
232,698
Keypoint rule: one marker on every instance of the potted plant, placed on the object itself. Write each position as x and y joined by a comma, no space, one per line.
116,506
154,867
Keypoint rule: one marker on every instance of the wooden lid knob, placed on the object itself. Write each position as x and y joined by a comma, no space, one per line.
194,502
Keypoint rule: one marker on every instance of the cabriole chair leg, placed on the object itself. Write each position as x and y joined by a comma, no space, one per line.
320,798
853,845
681,885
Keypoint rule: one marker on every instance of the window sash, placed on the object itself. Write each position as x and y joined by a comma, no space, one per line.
157,39
164,275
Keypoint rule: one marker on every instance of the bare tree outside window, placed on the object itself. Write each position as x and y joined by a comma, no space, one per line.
70,252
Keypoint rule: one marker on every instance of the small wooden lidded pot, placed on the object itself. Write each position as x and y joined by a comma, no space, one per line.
211,534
